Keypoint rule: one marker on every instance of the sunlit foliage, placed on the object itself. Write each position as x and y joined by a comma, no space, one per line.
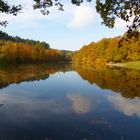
110,50
5,36
17,50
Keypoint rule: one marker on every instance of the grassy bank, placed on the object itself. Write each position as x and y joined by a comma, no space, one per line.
130,65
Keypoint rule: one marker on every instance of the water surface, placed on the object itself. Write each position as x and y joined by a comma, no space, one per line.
61,102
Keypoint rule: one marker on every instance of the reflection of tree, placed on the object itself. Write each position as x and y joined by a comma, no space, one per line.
125,81
18,74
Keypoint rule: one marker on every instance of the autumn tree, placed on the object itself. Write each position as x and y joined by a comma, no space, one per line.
109,50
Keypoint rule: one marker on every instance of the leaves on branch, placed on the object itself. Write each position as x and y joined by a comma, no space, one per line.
8,9
109,10
123,9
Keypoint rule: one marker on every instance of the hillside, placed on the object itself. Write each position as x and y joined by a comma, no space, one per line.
6,37
15,50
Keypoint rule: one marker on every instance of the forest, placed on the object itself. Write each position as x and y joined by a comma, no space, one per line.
17,39
14,50
109,50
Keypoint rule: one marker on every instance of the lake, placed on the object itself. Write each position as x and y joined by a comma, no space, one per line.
62,102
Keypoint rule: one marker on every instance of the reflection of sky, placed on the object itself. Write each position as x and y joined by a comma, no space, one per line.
61,94
80,104
31,108
128,107
64,103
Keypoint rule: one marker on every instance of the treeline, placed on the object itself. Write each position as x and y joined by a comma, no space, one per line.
114,50
6,37
28,51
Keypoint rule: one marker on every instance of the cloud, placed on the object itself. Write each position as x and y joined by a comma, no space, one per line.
121,23
128,107
28,17
82,16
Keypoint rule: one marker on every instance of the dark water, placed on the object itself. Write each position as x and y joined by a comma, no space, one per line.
59,102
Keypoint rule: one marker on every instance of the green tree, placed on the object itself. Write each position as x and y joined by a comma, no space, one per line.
124,9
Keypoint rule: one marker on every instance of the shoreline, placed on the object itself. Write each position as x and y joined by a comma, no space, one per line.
129,65
115,64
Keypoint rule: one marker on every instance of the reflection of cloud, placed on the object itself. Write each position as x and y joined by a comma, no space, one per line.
129,107
80,103
1,105
31,108
36,106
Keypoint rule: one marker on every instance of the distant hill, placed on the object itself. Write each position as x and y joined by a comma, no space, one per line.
5,36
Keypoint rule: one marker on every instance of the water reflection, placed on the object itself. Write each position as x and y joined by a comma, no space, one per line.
124,81
80,104
55,103
1,105
19,73
30,108
129,107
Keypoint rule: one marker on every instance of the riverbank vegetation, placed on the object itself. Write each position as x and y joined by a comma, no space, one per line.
14,50
109,50
132,65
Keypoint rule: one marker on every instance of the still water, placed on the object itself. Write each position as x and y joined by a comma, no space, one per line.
61,102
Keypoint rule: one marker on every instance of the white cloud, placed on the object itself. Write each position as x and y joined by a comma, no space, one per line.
119,23
29,17
122,24
129,107
82,16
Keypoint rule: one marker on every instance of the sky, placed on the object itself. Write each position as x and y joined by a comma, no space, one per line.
70,29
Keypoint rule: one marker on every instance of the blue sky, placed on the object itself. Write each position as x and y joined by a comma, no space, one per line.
69,30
